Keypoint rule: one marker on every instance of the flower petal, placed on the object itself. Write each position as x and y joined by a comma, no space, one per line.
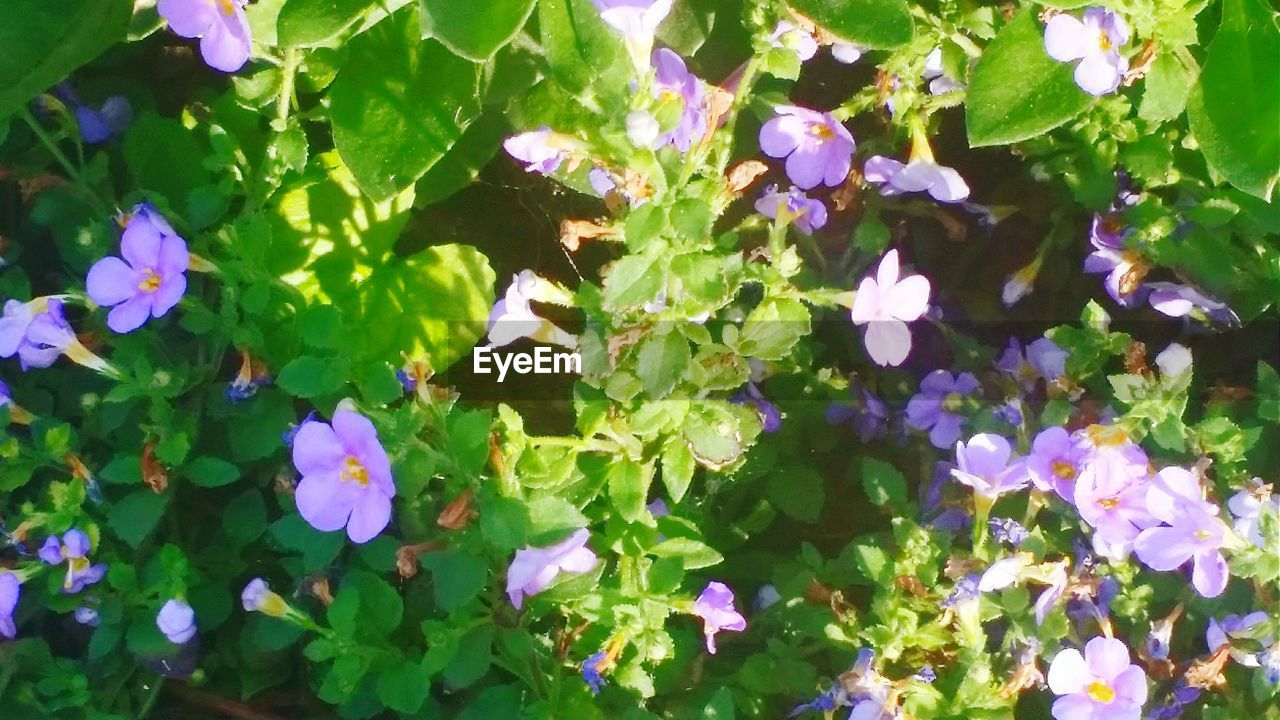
324,501
140,243
806,166
949,186
866,302
1164,548
1209,574
369,516
909,299
227,45
111,281
1066,38
1100,73
887,271
130,315
187,18
888,342
1106,658
316,449
1068,673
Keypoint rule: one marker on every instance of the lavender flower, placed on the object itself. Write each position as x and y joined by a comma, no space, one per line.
1043,359
542,150
98,124
846,53
10,589
638,21
1100,685
533,569
591,672
73,549
1055,461
886,303
86,616
1007,531
770,416
257,596
1111,491
715,607
148,282
939,83
817,147
177,621
225,38
935,408
868,414
983,464
793,207
1220,633
1248,506
346,476
1095,41
922,174
1125,268
16,336
513,318
1177,300
787,36
673,82
1191,531
967,588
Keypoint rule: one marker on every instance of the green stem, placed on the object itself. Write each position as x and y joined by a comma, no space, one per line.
61,158
284,102
152,696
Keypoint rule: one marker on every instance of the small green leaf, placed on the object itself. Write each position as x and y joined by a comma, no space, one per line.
661,361
693,554
1164,92
677,468
773,328
628,483
403,687
869,23
457,575
474,30
211,472
133,518
797,492
883,483
633,281
310,376
303,23
1017,91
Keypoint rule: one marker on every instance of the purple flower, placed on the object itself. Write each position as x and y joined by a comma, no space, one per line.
73,549
86,616
513,318
543,150
591,672
257,596
221,25
935,408
817,147
1270,660
346,476
38,333
1094,41
939,83
942,183
1044,359
1177,300
787,36
983,464
846,53
793,207
1191,530
673,82
1056,460
1007,531
770,416
1100,685
966,589
177,621
715,607
886,303
1220,633
1125,269
148,282
601,181
10,589
638,21
824,703
868,414
1111,491
533,569
1248,506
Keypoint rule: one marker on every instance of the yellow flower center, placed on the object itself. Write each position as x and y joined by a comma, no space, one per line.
822,132
1203,534
1063,469
353,471
1108,503
1103,435
150,281
1100,691
75,566
227,7
1104,42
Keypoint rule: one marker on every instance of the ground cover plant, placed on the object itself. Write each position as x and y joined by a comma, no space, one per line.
904,359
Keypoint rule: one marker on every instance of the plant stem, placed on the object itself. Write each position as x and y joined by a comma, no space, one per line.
61,158
153,695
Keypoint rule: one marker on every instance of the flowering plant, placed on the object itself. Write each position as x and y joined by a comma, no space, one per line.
911,360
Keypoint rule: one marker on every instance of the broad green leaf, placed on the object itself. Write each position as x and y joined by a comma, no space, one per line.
474,30
399,104
464,161
310,376
245,517
44,40
304,23
165,157
628,483
457,577
869,23
432,305
1018,91
134,517
633,281
403,687
773,328
1164,92
578,45
661,361
883,483
1234,106
211,472
797,492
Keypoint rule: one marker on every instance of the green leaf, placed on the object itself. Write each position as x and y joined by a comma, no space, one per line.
464,161
773,328
632,281
398,105
403,687
475,653
677,468
310,376
432,305
165,157
661,361
578,45
134,517
1164,92
1234,106
797,492
869,23
628,483
1017,91
211,472
883,483
44,40
693,554
317,548
458,576
474,30
303,23
551,516
245,517
505,523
